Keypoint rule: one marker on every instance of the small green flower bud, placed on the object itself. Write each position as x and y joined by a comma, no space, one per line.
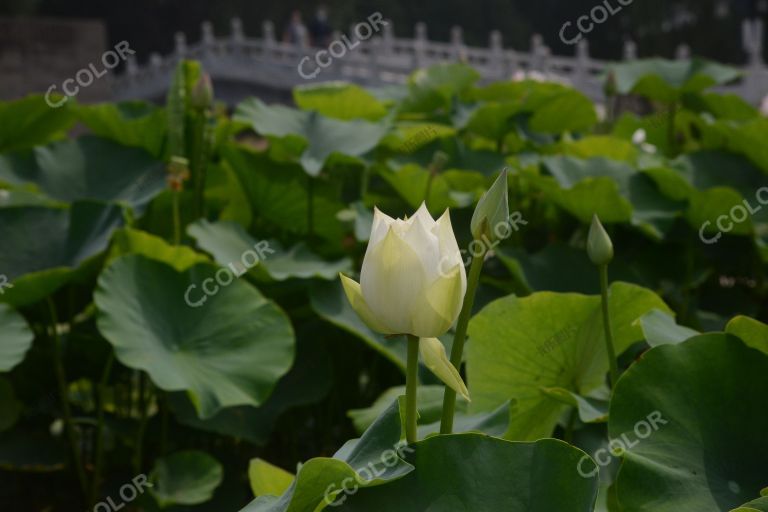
599,245
202,92
492,210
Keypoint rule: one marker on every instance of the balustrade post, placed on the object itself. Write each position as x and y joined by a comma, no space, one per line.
497,67
420,43
458,50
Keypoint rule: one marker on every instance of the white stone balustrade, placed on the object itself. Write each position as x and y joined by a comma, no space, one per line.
383,59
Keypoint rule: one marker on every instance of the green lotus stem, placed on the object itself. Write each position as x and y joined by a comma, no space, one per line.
99,457
176,218
202,148
457,350
671,127
164,424
138,456
310,206
61,380
411,385
428,191
607,324
365,178
568,435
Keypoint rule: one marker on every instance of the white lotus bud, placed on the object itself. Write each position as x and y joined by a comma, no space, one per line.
413,280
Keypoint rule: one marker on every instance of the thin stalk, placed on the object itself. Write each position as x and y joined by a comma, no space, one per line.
164,424
365,179
138,456
203,145
671,127
568,437
428,191
61,380
311,206
176,218
610,112
607,324
411,385
197,126
99,458
457,350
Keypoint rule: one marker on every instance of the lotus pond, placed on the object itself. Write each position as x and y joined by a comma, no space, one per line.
443,296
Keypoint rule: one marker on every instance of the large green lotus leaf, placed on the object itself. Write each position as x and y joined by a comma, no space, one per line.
434,87
751,332
279,194
185,478
517,346
15,337
319,480
329,301
459,155
130,123
589,409
324,136
23,197
86,168
408,136
307,382
569,111
710,168
133,241
266,478
666,80
43,245
656,128
613,190
566,111
464,472
744,138
229,350
228,242
449,189
708,451
339,100
607,146
708,206
31,121
494,120
549,108
720,181
721,106
224,194
758,505
660,328
532,94
389,93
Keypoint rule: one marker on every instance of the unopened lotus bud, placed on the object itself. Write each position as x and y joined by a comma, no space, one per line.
202,93
413,280
492,210
599,245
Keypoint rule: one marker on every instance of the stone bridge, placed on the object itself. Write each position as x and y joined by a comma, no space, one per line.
242,66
